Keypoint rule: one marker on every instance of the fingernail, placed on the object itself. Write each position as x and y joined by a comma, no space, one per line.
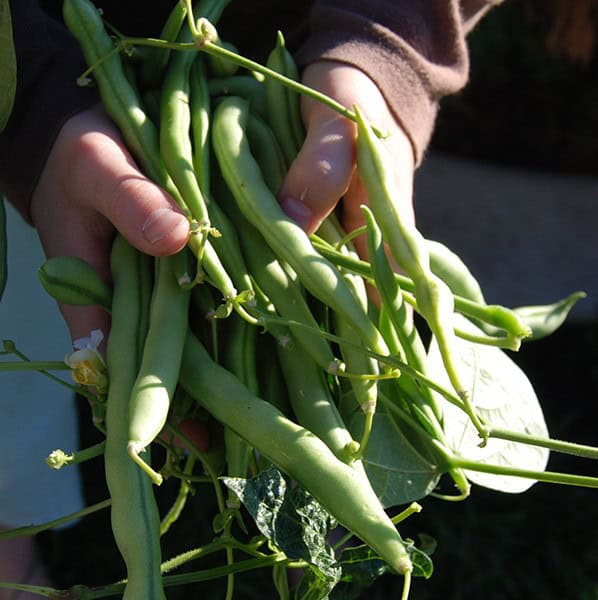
297,211
161,223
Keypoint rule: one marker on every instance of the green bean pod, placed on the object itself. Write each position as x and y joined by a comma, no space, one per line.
72,280
296,451
312,402
175,125
158,373
240,359
245,86
155,59
454,272
283,235
200,123
135,519
267,152
282,103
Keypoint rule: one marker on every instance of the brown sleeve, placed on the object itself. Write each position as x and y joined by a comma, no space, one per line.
414,50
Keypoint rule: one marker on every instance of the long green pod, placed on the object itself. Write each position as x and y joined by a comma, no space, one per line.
200,123
175,125
312,402
245,86
72,280
296,451
198,153
282,103
500,317
243,176
362,369
286,294
240,359
155,60
434,298
135,519
158,372
454,272
267,152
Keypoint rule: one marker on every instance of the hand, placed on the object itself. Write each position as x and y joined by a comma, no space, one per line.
324,171
89,186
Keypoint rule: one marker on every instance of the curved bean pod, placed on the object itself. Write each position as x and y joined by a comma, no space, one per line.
159,369
295,451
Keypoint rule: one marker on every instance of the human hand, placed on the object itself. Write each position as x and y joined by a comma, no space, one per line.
324,171
89,186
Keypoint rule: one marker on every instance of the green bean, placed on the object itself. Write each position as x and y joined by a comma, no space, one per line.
200,123
240,359
158,373
411,346
295,451
226,244
284,291
245,86
363,368
267,151
284,236
175,124
312,402
155,60
135,519
454,272
434,299
282,103
221,66
72,280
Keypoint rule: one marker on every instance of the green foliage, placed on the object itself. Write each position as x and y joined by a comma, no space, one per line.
8,62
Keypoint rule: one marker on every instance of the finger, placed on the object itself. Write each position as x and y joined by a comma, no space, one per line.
107,180
322,171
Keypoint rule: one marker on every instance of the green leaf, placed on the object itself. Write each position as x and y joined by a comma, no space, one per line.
546,319
291,518
8,61
397,471
503,397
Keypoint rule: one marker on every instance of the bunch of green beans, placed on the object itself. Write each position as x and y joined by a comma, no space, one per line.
267,333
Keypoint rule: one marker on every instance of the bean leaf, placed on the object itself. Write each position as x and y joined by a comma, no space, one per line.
8,61
505,398
397,471
292,519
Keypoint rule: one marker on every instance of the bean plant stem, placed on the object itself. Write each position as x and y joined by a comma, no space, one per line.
35,529
580,450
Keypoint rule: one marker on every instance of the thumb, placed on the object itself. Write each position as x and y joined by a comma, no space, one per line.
322,171
143,212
